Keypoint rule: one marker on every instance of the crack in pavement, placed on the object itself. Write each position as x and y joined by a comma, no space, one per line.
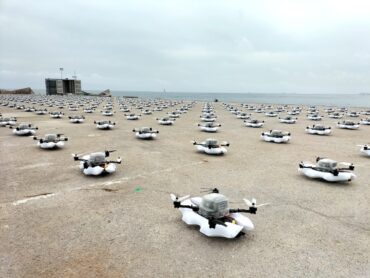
336,218
107,183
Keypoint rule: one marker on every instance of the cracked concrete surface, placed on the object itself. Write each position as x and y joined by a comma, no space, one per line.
104,227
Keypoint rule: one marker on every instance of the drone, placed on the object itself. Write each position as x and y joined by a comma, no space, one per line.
107,112
335,115
76,119
51,141
166,121
96,164
56,115
41,111
243,116
212,213
8,121
208,118
104,124
271,114
365,121
254,123
211,146
365,149
348,125
88,110
276,136
24,129
288,120
318,129
328,169
209,126
145,133
314,117
132,116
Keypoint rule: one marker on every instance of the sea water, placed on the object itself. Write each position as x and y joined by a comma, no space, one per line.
339,100
342,100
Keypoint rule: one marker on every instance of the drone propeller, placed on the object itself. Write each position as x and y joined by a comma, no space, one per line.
253,203
175,198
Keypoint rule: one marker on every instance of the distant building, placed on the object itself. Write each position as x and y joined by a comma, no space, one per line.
62,86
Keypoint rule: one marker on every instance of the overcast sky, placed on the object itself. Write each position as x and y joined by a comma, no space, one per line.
190,46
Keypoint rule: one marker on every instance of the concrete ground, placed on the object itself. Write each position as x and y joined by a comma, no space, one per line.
56,222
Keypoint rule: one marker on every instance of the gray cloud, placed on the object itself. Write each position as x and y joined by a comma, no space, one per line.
235,46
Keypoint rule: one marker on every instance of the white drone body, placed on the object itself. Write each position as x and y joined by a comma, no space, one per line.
146,133
107,113
254,123
105,125
209,127
208,118
132,117
41,112
314,117
327,170
243,116
288,120
56,115
336,116
212,147
275,136
271,114
213,215
365,121
232,230
166,121
76,120
24,130
50,145
318,130
8,121
94,164
365,149
51,141
348,125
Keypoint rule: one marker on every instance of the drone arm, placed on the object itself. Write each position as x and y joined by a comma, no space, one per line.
177,204
79,159
251,210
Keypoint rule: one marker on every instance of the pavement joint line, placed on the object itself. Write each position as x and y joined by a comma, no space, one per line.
330,217
107,183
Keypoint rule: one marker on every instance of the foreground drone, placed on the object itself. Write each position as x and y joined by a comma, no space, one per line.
96,164
212,213
211,146
328,170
